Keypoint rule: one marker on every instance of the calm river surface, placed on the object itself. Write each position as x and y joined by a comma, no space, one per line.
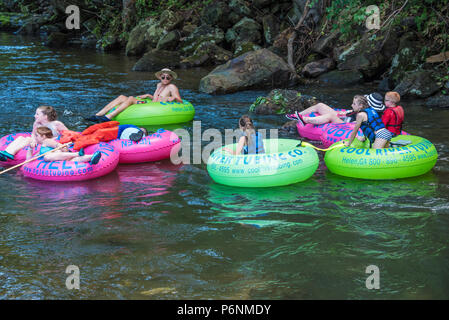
160,231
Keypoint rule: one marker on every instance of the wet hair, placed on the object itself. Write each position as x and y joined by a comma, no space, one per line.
50,112
247,125
393,96
362,101
44,131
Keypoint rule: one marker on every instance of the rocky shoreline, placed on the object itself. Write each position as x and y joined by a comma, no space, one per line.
249,42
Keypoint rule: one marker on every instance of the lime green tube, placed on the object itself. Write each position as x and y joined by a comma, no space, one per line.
156,113
283,163
358,161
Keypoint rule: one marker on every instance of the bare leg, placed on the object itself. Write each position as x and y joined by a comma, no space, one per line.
63,156
325,118
112,104
129,101
67,156
18,144
84,158
380,143
321,108
327,114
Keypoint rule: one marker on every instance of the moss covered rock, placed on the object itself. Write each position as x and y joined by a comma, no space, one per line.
203,33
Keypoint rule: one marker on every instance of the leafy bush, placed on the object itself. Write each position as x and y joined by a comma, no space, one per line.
430,16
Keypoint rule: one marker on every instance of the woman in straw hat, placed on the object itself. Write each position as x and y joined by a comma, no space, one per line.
165,92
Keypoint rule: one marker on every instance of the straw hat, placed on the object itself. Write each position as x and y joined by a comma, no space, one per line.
166,71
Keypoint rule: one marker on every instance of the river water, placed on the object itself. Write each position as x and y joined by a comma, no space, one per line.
160,231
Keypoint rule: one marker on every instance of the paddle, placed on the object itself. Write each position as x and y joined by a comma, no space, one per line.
36,157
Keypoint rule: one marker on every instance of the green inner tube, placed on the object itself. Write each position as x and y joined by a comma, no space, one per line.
283,163
156,113
359,161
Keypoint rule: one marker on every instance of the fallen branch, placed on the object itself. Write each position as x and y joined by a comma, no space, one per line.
292,39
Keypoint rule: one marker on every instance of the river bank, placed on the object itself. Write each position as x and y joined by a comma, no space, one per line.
256,44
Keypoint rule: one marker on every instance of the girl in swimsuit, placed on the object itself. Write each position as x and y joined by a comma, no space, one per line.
371,124
44,116
251,142
329,115
45,137
165,92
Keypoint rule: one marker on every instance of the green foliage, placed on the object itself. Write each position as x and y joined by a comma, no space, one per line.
277,98
259,101
442,80
349,17
144,8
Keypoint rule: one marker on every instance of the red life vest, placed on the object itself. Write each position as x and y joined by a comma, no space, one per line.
393,122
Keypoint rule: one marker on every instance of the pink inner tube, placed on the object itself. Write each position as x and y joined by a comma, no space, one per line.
154,147
74,171
340,131
335,132
312,131
20,156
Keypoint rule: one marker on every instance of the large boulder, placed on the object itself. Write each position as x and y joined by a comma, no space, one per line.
169,41
147,34
170,20
255,69
418,83
217,13
206,54
156,60
438,101
371,55
341,78
201,34
316,68
138,38
246,30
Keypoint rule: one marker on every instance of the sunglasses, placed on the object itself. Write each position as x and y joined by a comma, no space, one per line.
165,77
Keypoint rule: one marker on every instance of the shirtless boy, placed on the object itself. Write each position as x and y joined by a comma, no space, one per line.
165,92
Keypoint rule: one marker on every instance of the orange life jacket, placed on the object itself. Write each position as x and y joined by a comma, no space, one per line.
105,131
